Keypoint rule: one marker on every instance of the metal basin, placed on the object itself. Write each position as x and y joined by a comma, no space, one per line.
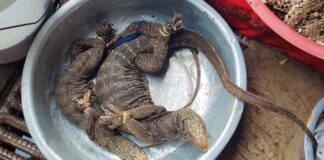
48,56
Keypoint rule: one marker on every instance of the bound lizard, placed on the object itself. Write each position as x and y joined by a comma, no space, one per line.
186,38
122,87
76,99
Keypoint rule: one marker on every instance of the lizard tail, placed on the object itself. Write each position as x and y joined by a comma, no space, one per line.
187,38
193,97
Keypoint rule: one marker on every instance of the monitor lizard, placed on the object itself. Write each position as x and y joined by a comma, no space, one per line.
122,88
187,38
163,127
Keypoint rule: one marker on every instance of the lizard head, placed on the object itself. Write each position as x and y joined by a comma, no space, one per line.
105,29
193,128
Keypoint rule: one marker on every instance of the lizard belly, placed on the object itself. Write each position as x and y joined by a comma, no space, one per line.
121,83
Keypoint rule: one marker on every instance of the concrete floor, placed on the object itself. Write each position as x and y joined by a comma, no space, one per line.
261,134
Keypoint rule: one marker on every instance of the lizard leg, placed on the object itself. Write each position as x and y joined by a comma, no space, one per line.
139,112
82,45
153,62
87,63
104,31
90,117
149,63
117,144
114,118
88,98
92,42
144,111
183,123
132,28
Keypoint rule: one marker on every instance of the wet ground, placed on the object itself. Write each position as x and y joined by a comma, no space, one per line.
261,134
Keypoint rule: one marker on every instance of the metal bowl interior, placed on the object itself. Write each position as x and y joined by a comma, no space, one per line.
48,56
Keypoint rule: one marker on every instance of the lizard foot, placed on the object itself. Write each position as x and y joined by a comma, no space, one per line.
84,102
113,118
176,22
117,144
90,117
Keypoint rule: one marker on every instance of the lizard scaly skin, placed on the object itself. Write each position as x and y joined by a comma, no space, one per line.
187,38
73,95
122,87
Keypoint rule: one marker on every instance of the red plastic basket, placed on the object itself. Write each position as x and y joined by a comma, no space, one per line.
254,19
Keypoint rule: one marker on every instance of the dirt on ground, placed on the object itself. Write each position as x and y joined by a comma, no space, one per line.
262,135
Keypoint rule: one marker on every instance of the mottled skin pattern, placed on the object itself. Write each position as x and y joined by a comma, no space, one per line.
75,80
183,123
122,87
72,87
174,125
72,93
186,38
167,126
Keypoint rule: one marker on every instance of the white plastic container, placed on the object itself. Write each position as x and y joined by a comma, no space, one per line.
19,21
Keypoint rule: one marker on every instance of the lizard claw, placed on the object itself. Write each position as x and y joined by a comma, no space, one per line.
110,109
112,121
84,102
112,117
176,21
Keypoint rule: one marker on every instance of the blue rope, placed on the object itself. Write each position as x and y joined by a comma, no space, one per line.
126,39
